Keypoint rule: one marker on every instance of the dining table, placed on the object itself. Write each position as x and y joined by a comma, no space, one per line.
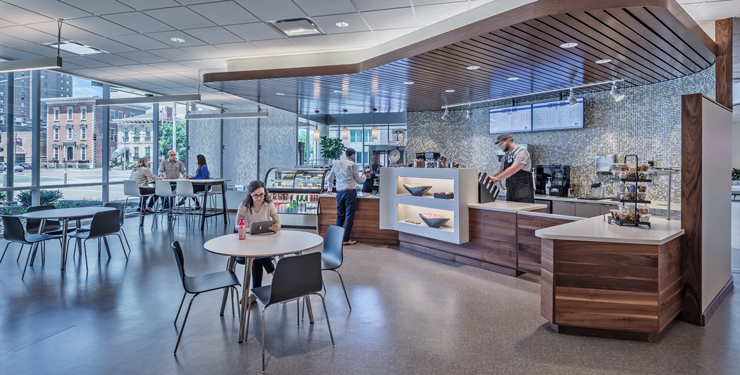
64,215
204,207
284,242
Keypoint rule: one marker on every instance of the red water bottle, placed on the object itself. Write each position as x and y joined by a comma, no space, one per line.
242,229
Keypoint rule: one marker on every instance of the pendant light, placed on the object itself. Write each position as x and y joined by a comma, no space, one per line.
345,130
572,99
375,127
316,135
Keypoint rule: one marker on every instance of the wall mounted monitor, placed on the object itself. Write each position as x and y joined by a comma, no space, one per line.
511,120
557,115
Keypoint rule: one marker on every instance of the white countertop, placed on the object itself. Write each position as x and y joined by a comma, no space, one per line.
359,195
596,229
508,206
657,205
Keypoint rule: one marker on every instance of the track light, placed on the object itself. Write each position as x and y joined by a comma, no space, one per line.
572,99
616,93
444,115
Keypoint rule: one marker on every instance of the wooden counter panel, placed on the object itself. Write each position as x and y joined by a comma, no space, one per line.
671,282
366,227
547,291
528,244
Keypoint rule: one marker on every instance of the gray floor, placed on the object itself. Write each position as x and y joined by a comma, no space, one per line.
411,315
736,236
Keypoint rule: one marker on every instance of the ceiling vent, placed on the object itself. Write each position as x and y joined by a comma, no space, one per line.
296,27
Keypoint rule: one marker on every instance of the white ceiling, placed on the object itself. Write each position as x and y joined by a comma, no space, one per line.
137,33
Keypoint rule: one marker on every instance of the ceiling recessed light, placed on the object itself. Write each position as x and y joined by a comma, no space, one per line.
279,93
603,61
178,40
338,91
473,67
568,45
342,24
296,27
408,83
450,90
513,78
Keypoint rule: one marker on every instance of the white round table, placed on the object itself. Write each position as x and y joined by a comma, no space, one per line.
283,242
64,214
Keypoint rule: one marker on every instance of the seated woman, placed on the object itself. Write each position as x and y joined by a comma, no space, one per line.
143,177
257,207
202,174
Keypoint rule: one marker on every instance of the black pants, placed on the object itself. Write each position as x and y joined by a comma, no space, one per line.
257,266
152,199
346,206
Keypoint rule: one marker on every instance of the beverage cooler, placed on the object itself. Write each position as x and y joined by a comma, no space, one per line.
295,193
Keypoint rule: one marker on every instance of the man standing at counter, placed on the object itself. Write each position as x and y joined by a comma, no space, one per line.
369,184
517,171
348,175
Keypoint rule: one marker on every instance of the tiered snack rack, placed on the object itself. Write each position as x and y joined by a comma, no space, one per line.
636,221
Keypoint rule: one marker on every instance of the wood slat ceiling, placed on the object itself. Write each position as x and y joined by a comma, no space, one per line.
648,42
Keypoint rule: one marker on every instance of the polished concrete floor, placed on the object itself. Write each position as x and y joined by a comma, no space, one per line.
736,236
411,315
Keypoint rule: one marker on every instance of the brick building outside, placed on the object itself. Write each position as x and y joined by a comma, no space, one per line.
74,127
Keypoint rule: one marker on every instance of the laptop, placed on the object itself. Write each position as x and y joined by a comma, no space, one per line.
261,227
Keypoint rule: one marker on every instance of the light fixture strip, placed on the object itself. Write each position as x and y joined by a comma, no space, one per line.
218,116
149,99
31,64
533,93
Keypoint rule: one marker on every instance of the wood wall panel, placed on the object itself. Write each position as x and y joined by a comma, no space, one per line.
547,283
723,37
366,227
528,244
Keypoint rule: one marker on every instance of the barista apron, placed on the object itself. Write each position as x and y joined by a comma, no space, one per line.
519,187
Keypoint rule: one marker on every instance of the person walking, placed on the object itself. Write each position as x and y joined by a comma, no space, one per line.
347,176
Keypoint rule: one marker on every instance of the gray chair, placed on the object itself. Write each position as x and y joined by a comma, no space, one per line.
200,284
333,255
295,277
121,217
131,190
13,232
103,224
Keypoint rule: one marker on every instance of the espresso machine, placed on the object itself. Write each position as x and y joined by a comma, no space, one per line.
559,183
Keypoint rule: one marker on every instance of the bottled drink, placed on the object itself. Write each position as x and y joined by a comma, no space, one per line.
242,229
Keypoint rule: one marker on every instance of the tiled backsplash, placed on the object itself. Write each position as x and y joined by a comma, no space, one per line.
647,123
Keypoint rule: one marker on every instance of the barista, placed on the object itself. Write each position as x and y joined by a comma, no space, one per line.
517,171
369,185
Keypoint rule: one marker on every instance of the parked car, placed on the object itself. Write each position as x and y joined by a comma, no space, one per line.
18,168
24,165
3,167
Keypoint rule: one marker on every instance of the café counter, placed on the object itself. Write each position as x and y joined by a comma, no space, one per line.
366,227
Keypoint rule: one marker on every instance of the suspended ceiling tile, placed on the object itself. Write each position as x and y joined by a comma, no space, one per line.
109,45
99,26
323,7
329,23
388,35
15,54
355,40
99,6
116,70
69,32
390,19
52,9
205,52
254,31
142,57
166,38
206,64
428,2
85,61
141,42
28,34
242,49
366,5
272,10
19,15
711,11
173,54
180,18
277,46
192,2
46,51
171,66
224,13
138,21
112,59
431,14
316,43
146,69
149,4
4,23
9,41
214,35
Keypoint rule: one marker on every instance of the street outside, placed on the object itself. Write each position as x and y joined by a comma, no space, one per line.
75,176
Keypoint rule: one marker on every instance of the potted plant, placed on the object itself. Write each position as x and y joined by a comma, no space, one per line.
331,148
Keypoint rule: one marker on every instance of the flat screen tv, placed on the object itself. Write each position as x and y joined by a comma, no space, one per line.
511,120
557,115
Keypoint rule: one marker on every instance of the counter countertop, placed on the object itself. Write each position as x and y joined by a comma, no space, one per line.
508,206
657,205
359,196
596,229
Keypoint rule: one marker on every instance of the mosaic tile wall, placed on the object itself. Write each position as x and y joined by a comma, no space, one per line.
279,141
240,150
647,123
204,138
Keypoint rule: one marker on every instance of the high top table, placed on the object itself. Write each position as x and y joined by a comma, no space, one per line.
208,183
65,215
283,242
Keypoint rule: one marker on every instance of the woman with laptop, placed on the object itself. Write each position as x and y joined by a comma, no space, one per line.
258,208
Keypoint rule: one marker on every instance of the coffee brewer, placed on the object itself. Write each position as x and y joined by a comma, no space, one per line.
560,183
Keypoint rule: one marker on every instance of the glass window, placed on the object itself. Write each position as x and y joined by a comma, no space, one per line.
83,113
56,153
136,153
83,133
83,153
69,113
56,114
148,152
69,133
56,134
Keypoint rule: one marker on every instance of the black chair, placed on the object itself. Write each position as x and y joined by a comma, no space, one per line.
103,224
51,226
14,232
295,277
121,216
200,284
333,255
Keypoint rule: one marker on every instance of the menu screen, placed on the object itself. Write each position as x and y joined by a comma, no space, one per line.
511,120
557,115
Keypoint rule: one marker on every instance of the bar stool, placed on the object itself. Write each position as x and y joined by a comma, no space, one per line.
215,191
163,189
184,189
131,190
